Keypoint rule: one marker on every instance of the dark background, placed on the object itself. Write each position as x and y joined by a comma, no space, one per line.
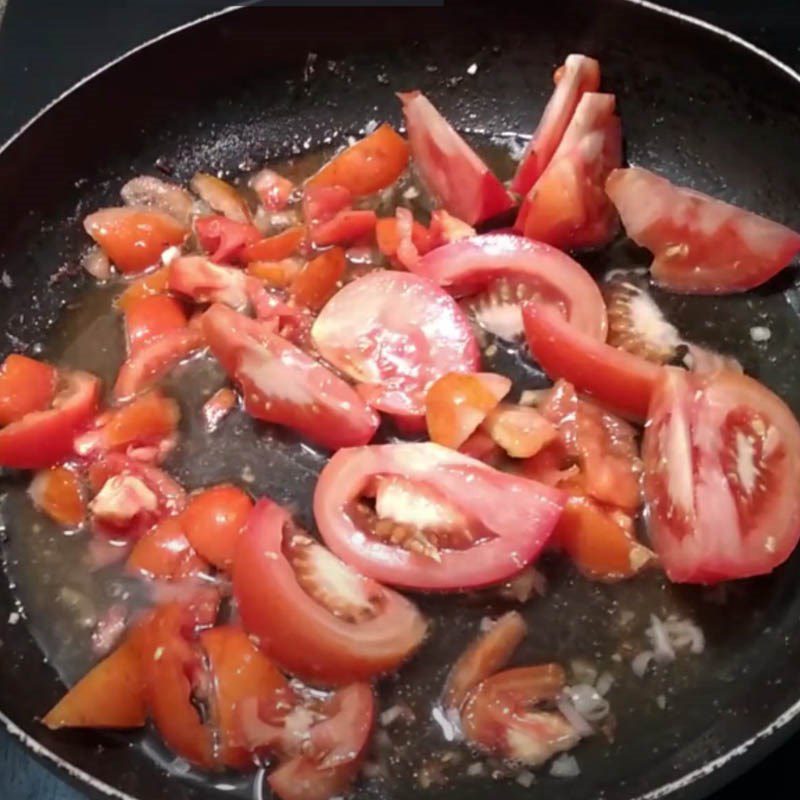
47,45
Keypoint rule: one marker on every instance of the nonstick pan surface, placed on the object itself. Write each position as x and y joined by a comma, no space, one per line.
239,88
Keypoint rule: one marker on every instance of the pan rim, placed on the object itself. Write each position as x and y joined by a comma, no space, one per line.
694,784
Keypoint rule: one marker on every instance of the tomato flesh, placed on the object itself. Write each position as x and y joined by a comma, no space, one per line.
164,552
223,239
57,491
317,281
150,318
277,247
153,283
521,431
273,189
25,385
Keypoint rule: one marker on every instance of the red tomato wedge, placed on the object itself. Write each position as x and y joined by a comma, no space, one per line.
313,614
273,190
347,227
618,380
318,279
277,247
449,167
110,695
134,238
150,318
223,239
722,465
239,672
577,75
521,431
164,552
26,385
41,439
338,745
503,270
568,206
700,245
58,493
464,524
395,333
367,166
281,384
207,282
153,283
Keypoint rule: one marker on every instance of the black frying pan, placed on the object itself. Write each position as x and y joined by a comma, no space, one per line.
230,90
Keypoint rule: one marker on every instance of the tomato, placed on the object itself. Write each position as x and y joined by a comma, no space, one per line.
153,283
26,385
239,672
578,74
446,229
395,333
134,238
722,463
223,239
568,206
482,447
347,227
275,274
503,270
322,203
273,190
452,171
318,280
221,196
154,360
425,517
313,614
281,384
110,695
490,652
389,234
456,404
500,715
164,552
206,282
700,245
367,166
150,318
277,247
43,438
337,748
217,407
58,493
213,520
521,431
616,379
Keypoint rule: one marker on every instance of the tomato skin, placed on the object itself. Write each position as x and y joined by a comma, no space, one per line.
281,384
388,238
110,695
214,519
150,318
347,227
43,438
700,245
367,166
25,385
300,633
164,552
519,514
134,238
618,380
153,283
317,280
577,75
277,247
223,239
469,266
58,493
322,203
449,167
273,190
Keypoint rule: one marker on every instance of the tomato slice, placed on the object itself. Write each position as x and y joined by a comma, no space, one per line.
616,379
426,517
153,283
58,493
281,384
223,239
110,695
207,282
578,74
41,439
700,245
456,404
449,167
221,196
520,430
722,463
164,552
150,318
337,748
26,385
395,333
389,236
347,227
313,614
568,206
367,166
239,672
134,238
273,190
318,279
277,247
503,270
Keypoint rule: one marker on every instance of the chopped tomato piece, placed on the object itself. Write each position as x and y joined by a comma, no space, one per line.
322,203
150,318
134,238
223,239
700,245
277,247
110,695
347,227
521,431
218,406
150,284
273,190
482,447
207,282
26,385
389,236
221,196
43,438
317,281
164,552
275,274
315,615
57,492
449,167
457,403
367,166
445,229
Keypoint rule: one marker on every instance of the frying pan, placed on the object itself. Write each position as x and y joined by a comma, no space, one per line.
240,87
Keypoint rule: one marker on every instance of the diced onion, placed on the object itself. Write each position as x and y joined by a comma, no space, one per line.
565,766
